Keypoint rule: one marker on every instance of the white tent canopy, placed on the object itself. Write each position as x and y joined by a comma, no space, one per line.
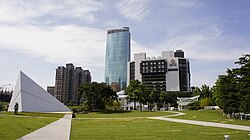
33,98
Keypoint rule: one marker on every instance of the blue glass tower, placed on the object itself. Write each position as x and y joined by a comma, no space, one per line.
117,56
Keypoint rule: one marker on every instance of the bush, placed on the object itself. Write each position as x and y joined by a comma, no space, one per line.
194,105
79,109
3,106
206,102
115,105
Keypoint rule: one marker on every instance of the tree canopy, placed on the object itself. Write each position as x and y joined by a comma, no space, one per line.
137,92
97,95
205,91
232,91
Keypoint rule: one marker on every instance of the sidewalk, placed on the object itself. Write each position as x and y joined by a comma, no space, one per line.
203,123
58,130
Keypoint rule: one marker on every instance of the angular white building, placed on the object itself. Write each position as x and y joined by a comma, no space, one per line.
31,97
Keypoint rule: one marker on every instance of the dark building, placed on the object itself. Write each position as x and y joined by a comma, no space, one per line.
70,83
179,53
132,71
81,77
60,83
5,96
184,70
51,90
67,81
86,76
154,74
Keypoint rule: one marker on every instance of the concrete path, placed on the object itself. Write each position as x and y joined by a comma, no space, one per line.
203,123
58,130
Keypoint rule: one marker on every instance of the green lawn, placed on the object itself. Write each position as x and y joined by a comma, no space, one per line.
13,127
35,114
211,116
123,114
141,129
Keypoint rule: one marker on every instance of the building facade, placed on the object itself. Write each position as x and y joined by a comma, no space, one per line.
169,72
153,74
67,81
51,90
117,56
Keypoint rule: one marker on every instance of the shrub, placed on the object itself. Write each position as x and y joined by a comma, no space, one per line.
206,102
194,105
79,109
3,106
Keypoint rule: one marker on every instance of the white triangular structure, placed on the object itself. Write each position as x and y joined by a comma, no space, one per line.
33,98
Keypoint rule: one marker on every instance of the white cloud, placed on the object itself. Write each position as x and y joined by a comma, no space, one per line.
134,9
57,44
21,10
209,45
62,44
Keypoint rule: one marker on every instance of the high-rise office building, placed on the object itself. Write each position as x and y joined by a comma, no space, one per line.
169,72
67,81
117,56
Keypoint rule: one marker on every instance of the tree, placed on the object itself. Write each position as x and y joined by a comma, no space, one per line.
161,97
205,91
232,91
137,92
166,98
243,80
96,95
155,96
197,91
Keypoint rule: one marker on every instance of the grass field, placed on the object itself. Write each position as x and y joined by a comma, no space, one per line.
141,129
123,114
35,114
211,116
124,126
13,127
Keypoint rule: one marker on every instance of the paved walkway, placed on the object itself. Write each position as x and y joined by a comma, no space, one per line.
58,130
203,123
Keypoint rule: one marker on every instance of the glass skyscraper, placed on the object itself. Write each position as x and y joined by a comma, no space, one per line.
117,56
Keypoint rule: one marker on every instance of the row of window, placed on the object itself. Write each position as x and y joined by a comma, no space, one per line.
147,67
151,63
152,71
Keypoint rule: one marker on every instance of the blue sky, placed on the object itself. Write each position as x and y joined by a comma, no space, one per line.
36,36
